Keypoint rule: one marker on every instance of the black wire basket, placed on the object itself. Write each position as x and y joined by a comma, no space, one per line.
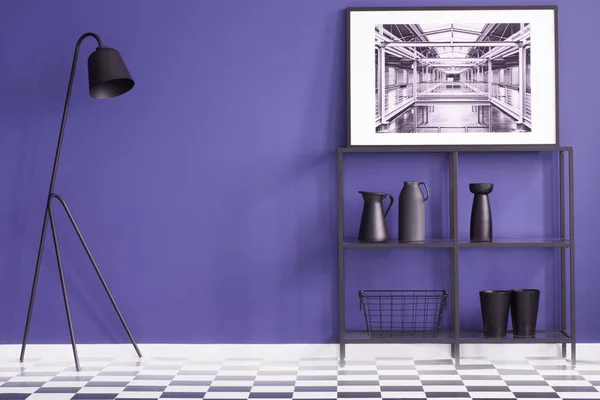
403,313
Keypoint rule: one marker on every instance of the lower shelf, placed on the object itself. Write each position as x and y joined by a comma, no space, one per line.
396,337
542,336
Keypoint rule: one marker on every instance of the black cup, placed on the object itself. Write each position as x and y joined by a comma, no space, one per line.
494,312
524,304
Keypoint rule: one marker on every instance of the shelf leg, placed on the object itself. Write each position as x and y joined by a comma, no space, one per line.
341,274
453,182
457,354
563,256
572,310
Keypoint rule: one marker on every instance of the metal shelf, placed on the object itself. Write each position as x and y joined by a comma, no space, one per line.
447,337
357,336
552,243
542,336
455,149
456,337
350,243
393,243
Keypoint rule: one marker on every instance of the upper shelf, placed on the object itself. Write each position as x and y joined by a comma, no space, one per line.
449,243
541,242
451,149
394,243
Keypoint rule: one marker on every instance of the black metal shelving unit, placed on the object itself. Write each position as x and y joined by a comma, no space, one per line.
455,337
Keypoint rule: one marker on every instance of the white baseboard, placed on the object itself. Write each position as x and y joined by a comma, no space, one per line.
585,351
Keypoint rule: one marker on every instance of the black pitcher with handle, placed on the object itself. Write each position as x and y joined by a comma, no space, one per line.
411,212
373,228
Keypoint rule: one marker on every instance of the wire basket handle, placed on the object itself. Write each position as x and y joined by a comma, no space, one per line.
360,303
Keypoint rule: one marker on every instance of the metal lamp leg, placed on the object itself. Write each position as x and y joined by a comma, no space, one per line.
104,284
35,281
64,287
49,216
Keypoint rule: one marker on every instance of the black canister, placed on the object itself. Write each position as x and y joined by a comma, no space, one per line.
495,305
524,305
411,212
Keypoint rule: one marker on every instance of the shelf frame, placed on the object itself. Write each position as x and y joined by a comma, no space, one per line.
454,245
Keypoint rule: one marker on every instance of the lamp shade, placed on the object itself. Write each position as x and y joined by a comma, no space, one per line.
107,74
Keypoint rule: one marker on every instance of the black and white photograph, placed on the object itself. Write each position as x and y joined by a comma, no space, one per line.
452,77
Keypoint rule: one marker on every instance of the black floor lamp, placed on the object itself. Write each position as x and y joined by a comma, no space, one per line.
108,77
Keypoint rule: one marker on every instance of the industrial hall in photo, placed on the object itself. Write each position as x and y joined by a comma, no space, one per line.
453,78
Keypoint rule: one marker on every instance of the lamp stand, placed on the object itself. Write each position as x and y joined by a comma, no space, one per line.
49,216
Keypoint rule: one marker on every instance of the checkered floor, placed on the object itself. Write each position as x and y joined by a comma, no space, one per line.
315,378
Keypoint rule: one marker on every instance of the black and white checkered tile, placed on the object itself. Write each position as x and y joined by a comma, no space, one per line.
314,378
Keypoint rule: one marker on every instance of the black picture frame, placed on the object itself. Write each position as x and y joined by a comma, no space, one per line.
544,111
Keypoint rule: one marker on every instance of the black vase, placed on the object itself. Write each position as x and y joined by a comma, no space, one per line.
495,305
524,304
481,214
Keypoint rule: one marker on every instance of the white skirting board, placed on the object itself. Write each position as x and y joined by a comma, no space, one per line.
585,351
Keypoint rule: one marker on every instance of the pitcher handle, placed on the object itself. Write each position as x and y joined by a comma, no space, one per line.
426,190
388,196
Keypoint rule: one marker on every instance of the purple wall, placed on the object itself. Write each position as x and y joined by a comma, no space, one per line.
208,193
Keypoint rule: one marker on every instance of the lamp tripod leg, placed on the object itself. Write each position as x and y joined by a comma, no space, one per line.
36,275
64,288
104,284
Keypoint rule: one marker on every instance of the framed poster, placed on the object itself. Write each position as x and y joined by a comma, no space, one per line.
452,76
